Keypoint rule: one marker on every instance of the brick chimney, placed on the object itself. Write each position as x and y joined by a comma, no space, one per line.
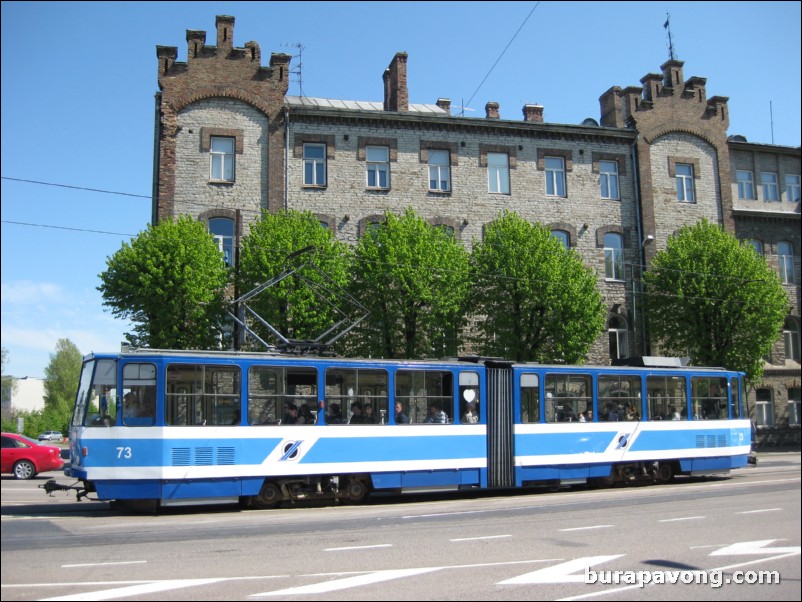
533,113
445,104
396,95
491,110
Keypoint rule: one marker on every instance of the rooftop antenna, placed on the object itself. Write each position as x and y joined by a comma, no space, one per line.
667,26
462,108
771,116
299,66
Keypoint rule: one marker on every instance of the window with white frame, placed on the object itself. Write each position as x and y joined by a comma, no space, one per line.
314,164
608,171
791,339
793,405
222,229
378,165
746,184
684,177
619,342
764,408
222,159
613,256
785,258
768,182
439,170
498,173
563,237
555,176
792,189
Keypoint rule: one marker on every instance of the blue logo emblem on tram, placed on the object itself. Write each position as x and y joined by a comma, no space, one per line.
290,450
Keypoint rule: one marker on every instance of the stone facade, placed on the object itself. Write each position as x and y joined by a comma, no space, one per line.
649,132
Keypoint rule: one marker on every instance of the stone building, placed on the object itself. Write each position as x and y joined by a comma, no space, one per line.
231,143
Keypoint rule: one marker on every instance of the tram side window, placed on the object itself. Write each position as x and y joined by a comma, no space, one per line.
667,399
568,396
272,389
619,398
356,396
530,398
469,397
201,395
427,396
709,398
735,398
96,403
139,394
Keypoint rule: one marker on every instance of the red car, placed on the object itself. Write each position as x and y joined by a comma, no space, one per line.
25,458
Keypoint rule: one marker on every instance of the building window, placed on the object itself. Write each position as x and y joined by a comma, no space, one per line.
685,183
613,256
314,164
764,408
555,176
757,246
785,257
563,237
222,159
746,185
793,405
791,339
792,189
378,164
768,182
608,171
439,171
222,229
619,342
498,173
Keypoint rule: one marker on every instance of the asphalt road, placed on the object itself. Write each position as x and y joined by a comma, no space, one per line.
572,544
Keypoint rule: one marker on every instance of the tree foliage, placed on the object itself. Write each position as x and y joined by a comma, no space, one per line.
61,382
301,306
170,283
713,298
539,302
414,279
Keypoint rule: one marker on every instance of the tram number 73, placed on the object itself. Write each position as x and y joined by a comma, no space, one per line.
124,452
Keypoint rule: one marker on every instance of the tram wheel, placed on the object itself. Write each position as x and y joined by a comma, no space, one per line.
603,482
357,490
665,473
269,496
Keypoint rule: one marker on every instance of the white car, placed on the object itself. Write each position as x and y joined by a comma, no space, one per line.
51,436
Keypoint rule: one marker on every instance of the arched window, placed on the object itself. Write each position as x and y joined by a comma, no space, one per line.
756,245
619,340
222,228
563,237
613,256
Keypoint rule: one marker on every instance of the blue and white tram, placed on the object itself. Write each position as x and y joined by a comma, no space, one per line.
175,426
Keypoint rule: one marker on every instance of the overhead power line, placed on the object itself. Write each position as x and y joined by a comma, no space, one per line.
139,196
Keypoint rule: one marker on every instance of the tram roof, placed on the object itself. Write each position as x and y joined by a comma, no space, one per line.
654,362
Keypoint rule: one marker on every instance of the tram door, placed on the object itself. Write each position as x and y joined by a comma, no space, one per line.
500,442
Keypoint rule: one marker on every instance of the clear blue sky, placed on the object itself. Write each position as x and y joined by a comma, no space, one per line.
79,78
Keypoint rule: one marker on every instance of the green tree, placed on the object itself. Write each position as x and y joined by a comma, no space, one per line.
539,302
170,282
61,383
714,299
9,382
302,306
414,278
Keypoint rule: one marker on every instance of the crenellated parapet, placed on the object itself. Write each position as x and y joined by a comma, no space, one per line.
212,73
